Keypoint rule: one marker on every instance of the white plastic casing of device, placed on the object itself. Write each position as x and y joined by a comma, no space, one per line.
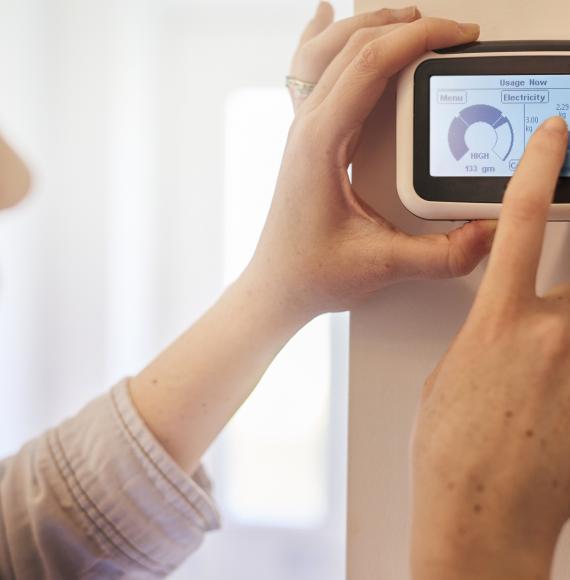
444,210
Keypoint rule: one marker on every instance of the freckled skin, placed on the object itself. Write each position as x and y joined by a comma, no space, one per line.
503,436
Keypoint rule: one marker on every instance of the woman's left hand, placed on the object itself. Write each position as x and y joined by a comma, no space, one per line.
323,248
323,39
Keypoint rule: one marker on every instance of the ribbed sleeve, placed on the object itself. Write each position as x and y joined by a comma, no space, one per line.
98,496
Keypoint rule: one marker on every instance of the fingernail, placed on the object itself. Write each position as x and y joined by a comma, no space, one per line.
469,28
556,125
406,12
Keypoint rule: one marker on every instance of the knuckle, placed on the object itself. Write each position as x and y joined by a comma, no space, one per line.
461,259
424,28
309,52
460,263
552,336
306,49
379,17
432,21
430,28
368,58
383,12
360,38
491,328
369,19
427,24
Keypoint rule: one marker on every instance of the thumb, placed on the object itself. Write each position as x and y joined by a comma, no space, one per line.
444,255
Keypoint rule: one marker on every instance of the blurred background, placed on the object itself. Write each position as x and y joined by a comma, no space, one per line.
154,129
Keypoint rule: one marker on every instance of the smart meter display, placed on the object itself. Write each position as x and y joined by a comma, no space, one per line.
481,124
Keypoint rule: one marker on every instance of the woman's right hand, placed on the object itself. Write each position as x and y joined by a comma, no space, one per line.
491,452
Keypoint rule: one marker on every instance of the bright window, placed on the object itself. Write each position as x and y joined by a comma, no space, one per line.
275,451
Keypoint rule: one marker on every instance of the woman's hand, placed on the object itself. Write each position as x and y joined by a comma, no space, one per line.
323,39
491,451
323,249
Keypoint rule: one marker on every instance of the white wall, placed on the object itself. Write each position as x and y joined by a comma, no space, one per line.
398,337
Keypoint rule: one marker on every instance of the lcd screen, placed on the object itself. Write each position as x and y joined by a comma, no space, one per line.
480,124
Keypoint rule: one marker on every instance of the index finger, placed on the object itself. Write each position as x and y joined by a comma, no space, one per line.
339,33
515,256
362,83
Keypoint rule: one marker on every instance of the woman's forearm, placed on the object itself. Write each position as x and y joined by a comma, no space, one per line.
321,250
188,394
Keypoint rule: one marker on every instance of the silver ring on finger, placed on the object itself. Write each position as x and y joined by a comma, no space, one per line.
299,89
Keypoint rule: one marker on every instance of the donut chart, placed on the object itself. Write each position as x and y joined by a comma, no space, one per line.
481,114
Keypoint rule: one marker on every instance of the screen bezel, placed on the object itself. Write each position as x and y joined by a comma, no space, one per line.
471,189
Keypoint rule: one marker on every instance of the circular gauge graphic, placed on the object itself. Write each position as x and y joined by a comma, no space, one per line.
492,117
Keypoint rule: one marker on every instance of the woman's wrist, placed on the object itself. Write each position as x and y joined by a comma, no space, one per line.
285,300
189,392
